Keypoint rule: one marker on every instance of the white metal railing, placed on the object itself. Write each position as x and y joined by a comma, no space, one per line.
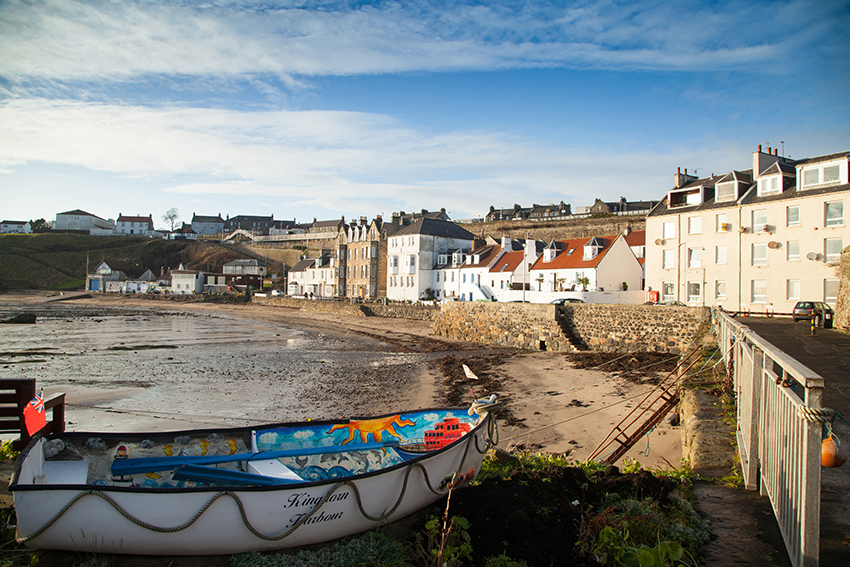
779,440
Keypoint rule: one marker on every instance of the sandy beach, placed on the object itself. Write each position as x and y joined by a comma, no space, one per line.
365,365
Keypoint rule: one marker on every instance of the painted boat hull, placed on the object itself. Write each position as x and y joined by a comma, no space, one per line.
216,520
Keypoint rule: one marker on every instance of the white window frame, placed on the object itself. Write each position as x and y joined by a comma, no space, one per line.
830,290
789,221
720,289
792,290
760,286
694,225
759,254
694,291
720,224
668,291
769,185
722,192
837,210
759,217
832,249
668,259
830,173
694,257
720,254
669,230
792,249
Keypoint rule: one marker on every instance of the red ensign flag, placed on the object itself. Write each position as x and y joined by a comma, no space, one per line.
34,417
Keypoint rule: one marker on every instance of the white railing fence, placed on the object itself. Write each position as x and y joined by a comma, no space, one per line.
780,415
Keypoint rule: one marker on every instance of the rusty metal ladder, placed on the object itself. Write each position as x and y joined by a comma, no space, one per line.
659,401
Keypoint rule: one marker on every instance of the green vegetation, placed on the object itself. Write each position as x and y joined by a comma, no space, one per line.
59,261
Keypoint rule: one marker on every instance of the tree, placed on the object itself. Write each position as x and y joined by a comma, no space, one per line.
39,225
171,216
583,281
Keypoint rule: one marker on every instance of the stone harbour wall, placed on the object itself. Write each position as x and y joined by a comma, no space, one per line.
520,325
396,310
611,328
638,328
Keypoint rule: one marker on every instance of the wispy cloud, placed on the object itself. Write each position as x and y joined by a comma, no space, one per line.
331,160
85,40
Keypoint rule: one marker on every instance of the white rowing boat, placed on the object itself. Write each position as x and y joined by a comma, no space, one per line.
213,492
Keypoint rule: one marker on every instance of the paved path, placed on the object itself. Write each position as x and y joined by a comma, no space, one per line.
828,354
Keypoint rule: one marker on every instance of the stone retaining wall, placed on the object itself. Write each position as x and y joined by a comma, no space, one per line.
401,311
614,328
708,443
842,308
638,328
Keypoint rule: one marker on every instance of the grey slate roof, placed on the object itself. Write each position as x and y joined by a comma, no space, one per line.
433,227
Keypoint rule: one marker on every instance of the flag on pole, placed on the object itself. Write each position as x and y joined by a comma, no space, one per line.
34,416
468,372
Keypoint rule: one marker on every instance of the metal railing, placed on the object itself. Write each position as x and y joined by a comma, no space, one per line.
779,405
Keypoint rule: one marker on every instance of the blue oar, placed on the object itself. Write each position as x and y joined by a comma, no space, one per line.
212,475
153,464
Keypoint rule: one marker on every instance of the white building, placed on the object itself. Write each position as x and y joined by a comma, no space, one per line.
207,225
81,220
417,254
138,226
603,263
15,227
184,282
755,240
246,266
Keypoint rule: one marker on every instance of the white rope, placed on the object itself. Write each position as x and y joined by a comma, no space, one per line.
825,415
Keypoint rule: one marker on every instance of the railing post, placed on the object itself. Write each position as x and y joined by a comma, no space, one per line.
811,481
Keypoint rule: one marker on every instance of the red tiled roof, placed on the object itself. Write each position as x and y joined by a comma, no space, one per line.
636,238
565,260
487,254
509,262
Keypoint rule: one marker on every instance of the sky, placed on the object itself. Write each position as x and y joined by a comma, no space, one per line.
323,110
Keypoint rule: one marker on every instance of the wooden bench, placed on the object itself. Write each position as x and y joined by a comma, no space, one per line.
15,393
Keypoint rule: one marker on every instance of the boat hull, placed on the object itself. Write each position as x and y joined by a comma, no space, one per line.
216,520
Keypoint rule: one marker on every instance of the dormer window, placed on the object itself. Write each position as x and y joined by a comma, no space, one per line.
593,248
457,258
685,198
770,185
823,174
549,254
725,192
442,259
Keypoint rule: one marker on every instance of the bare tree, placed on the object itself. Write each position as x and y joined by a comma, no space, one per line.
171,216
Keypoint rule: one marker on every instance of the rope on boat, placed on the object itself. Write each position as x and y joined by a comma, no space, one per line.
491,430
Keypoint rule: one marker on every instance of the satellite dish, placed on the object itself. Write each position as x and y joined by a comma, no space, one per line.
773,245
659,242
812,256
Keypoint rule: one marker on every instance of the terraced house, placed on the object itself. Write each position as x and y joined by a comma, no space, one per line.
754,240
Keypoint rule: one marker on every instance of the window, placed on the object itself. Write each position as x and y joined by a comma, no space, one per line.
759,220
759,291
667,291
792,289
760,254
820,174
694,225
830,291
793,250
669,259
725,191
720,223
720,290
720,255
694,291
694,255
792,216
811,177
769,185
669,230
834,214
831,173
832,249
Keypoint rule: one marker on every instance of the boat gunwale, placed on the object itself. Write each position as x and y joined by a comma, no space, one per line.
14,486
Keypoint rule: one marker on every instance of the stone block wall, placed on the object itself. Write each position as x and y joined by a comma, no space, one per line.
347,308
638,328
614,328
520,325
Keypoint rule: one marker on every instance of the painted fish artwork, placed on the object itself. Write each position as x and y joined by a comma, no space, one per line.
210,492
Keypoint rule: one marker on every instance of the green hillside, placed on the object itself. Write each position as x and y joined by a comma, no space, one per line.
58,260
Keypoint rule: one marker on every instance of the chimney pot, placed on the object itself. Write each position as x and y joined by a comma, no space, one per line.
759,148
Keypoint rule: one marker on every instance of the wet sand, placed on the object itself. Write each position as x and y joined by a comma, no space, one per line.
294,364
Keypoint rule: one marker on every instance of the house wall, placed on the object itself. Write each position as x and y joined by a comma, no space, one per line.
738,272
614,328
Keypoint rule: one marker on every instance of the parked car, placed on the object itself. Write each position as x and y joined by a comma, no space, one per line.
563,300
805,310
276,292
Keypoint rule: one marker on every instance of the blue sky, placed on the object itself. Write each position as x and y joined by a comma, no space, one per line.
325,109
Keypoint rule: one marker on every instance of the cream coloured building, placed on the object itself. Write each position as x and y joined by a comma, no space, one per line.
755,240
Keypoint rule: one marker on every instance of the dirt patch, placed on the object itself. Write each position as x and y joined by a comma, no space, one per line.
641,367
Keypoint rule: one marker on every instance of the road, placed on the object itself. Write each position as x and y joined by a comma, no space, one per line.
828,354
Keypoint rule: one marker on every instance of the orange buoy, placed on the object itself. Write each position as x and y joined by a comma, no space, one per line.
832,452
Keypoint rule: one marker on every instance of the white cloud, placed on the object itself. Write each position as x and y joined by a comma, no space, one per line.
95,40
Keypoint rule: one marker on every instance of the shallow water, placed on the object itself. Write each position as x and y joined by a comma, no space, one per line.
144,370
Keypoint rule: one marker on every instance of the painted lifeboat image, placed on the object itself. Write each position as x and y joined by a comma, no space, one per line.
445,432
